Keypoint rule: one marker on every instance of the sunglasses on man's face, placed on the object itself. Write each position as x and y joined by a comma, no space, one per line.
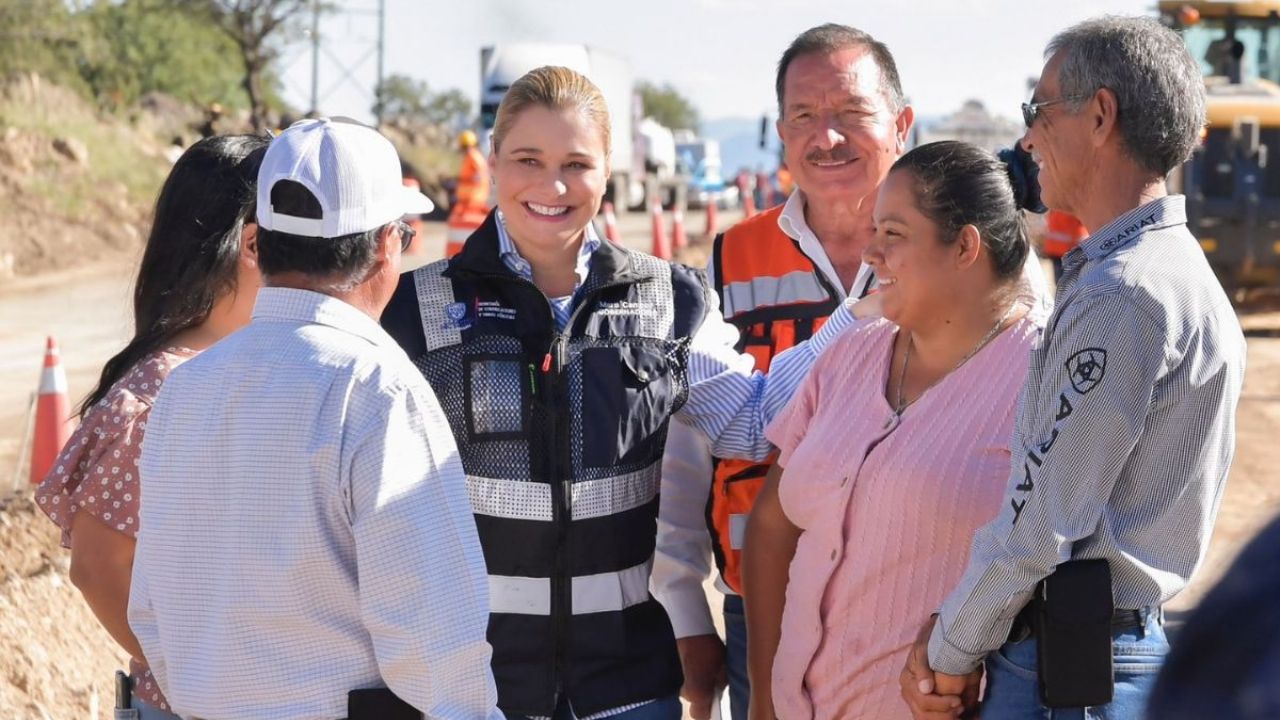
407,234
1030,111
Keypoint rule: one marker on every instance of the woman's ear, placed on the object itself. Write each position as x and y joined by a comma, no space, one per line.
968,246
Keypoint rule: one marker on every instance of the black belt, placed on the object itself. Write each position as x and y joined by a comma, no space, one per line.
379,704
1121,620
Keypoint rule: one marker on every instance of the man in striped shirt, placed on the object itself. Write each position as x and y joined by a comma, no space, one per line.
1126,426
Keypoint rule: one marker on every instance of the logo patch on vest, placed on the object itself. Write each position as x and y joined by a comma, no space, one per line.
1086,369
456,316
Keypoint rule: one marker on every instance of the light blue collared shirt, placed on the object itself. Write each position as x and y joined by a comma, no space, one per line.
561,307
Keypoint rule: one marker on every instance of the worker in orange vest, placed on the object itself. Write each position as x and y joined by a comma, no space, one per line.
785,182
472,205
1062,233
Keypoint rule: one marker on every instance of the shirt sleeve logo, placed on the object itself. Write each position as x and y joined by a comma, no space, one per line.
1086,369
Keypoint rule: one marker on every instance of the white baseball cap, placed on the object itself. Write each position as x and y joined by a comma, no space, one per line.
351,169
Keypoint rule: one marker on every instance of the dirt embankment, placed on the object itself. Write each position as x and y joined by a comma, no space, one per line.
75,185
56,661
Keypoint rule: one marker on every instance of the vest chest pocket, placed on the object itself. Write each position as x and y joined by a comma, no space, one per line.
629,393
494,387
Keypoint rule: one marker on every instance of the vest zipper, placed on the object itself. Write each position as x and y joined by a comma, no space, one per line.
561,512
562,485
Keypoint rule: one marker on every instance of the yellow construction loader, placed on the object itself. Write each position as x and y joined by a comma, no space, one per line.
1231,182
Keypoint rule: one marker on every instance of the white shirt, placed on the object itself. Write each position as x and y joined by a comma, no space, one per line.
794,225
306,529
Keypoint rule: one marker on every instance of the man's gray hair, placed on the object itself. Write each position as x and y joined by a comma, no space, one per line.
1157,84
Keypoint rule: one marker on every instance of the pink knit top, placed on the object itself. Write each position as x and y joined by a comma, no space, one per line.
888,508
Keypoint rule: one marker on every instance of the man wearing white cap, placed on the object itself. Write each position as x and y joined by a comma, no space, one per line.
307,531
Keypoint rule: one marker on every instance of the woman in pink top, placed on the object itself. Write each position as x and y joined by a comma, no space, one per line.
896,447
197,282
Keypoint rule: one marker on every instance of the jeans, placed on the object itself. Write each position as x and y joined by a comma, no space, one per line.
735,641
1013,691
665,709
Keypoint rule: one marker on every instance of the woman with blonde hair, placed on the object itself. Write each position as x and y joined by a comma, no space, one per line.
559,360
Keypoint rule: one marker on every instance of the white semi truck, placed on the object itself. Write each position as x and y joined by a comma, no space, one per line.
502,65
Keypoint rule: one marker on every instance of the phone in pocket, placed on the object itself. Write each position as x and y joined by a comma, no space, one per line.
1073,608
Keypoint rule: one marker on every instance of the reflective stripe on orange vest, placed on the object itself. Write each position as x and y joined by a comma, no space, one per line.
776,297
800,286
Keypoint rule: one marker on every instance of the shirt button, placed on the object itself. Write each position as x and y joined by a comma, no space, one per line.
845,481
833,554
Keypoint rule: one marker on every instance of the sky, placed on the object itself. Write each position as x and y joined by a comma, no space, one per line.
720,54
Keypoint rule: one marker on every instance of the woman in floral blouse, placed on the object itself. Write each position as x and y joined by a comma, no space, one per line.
197,282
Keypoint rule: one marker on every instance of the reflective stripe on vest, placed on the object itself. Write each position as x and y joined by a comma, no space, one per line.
602,592
738,530
800,286
526,500
435,297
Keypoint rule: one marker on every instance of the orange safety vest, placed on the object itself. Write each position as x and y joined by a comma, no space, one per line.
472,206
473,179
1062,233
776,297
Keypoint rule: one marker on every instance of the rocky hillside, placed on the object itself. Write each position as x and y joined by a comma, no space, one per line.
77,184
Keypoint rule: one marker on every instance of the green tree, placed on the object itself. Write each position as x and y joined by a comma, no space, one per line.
404,97
666,105
41,36
140,46
258,28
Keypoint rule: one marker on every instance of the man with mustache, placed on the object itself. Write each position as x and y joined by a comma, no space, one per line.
843,121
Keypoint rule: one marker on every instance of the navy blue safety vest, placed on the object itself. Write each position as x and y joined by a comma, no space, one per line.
561,436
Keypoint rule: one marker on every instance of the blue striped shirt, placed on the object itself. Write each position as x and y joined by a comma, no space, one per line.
561,307
1124,434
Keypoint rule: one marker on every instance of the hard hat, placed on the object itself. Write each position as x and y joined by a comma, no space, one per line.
467,139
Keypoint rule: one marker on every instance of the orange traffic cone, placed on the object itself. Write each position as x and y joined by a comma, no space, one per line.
713,219
661,247
679,238
611,225
53,415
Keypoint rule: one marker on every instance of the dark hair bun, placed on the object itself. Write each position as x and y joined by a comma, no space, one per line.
1024,175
